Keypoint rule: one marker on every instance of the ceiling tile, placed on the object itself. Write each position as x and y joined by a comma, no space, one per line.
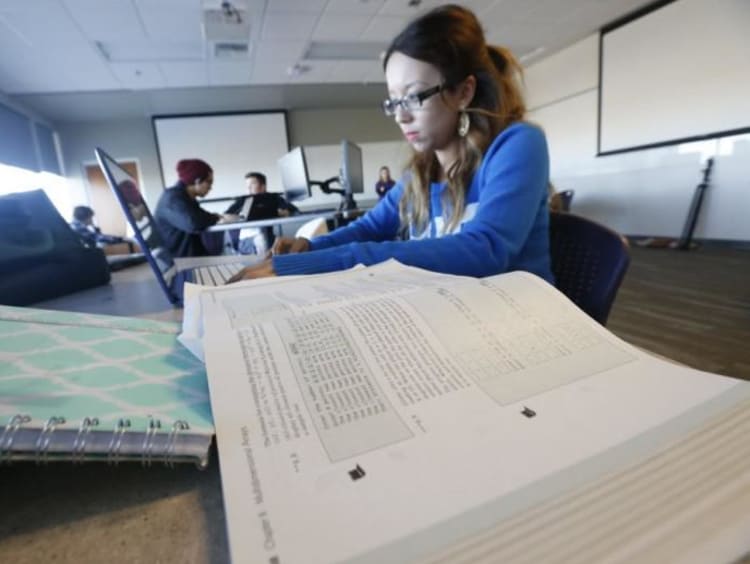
384,28
353,71
318,73
184,74
229,73
139,76
41,25
75,69
296,6
367,7
106,19
171,19
265,72
340,27
279,25
149,50
284,52
402,8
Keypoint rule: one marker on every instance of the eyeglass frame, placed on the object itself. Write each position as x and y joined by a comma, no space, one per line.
420,97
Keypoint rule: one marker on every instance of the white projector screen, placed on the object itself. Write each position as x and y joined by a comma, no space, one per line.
678,73
233,144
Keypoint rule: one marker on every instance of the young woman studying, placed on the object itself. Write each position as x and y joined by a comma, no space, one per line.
474,198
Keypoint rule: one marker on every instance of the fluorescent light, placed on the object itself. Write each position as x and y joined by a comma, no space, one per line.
344,51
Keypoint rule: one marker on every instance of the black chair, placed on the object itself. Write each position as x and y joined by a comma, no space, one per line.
589,262
41,257
561,201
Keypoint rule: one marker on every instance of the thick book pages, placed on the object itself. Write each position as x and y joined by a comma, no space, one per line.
393,415
84,387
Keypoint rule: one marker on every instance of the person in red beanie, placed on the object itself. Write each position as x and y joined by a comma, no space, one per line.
180,219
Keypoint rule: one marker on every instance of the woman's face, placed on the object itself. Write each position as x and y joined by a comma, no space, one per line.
431,127
385,174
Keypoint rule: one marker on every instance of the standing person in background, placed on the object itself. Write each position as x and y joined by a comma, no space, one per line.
180,218
384,183
474,200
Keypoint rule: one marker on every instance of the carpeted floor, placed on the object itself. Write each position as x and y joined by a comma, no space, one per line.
690,306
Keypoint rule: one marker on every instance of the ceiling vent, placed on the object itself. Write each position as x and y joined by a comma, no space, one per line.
230,50
226,27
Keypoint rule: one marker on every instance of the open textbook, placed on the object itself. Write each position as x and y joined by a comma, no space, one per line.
389,414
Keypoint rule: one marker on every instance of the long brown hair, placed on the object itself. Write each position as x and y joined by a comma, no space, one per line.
451,39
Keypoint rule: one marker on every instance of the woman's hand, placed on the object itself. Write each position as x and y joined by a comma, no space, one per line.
287,245
262,269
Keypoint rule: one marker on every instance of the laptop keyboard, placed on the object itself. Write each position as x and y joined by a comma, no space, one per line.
216,275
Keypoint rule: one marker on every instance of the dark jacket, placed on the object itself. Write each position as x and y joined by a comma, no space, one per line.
181,220
267,206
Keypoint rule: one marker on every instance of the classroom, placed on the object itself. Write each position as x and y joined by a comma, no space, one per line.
145,405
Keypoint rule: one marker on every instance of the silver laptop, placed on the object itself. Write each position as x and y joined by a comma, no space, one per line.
171,273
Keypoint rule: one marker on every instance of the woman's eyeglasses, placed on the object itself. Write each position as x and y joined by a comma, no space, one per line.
410,102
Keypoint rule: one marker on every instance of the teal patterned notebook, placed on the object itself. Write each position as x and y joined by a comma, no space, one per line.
93,387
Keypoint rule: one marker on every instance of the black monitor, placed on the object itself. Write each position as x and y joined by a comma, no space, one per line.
352,176
294,177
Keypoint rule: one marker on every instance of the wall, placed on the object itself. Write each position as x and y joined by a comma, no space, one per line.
124,140
320,131
640,193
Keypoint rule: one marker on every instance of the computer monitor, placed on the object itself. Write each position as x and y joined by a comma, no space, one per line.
352,176
294,177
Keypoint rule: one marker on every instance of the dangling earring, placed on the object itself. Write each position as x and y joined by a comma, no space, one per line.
463,123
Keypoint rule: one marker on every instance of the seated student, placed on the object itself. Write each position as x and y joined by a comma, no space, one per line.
384,183
90,234
474,200
179,217
267,206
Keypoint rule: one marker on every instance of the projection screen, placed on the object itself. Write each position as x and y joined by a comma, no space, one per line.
678,73
233,144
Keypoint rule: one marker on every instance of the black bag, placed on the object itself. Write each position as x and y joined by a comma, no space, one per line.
41,257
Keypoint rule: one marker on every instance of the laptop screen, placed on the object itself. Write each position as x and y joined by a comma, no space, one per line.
136,211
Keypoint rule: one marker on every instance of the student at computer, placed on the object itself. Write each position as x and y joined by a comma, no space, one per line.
180,218
256,184
474,199
265,205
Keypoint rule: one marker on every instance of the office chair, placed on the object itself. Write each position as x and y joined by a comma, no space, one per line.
561,201
589,262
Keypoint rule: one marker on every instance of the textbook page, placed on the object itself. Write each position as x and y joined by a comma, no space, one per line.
267,298
388,427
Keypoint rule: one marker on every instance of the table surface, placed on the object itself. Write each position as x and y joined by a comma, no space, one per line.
346,215
99,513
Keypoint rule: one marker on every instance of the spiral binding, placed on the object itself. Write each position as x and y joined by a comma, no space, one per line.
169,450
79,444
44,438
113,451
148,441
6,440
78,453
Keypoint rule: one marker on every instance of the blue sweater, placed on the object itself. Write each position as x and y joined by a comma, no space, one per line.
505,227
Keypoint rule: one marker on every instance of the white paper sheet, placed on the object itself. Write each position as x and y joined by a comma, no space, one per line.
359,410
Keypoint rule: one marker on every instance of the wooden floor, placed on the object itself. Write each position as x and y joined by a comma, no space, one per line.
690,306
